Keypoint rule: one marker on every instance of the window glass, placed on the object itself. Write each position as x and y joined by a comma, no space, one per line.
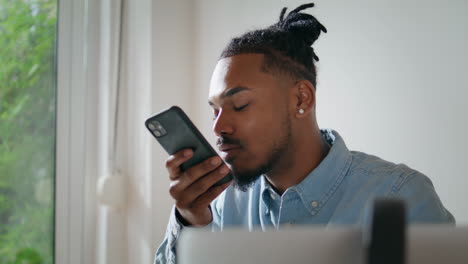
27,130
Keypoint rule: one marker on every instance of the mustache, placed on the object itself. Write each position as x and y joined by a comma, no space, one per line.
228,140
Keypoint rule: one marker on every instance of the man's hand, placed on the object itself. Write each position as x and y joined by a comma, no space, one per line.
193,189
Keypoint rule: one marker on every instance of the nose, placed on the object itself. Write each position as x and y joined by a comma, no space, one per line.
223,124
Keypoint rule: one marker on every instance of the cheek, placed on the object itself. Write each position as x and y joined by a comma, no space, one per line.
260,131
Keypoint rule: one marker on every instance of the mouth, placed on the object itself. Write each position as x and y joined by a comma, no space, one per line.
228,151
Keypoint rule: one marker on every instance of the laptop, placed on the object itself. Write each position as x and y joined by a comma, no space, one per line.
426,244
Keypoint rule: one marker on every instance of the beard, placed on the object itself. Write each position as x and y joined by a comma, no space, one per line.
244,179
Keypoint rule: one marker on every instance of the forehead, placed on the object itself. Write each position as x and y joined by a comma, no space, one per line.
240,70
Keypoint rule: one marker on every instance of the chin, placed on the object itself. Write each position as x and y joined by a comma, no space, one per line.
245,177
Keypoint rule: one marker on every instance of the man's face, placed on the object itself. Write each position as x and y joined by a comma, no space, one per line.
251,116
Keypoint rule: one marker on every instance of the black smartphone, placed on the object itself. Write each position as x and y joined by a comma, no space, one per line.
174,131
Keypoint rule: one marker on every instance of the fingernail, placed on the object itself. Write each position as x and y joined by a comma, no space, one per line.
224,170
214,161
187,153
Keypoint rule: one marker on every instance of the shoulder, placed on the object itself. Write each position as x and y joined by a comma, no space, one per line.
377,172
372,164
387,179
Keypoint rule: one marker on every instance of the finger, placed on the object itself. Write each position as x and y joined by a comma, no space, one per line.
174,161
179,184
203,184
194,173
205,199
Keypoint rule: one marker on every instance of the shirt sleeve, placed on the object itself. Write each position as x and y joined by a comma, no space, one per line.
423,203
167,251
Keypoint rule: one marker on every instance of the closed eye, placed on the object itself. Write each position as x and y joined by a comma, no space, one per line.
237,109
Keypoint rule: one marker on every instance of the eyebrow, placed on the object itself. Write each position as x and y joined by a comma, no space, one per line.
231,92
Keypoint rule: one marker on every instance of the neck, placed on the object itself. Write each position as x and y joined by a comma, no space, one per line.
305,154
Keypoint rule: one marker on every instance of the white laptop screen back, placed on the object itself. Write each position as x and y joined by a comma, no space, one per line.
427,244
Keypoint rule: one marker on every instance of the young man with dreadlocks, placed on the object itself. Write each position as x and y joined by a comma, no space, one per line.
286,169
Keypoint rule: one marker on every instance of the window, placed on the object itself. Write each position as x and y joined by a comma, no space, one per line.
27,130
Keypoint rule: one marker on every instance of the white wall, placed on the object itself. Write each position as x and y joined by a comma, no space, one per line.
172,74
392,78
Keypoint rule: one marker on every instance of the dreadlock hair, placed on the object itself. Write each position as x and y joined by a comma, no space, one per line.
286,45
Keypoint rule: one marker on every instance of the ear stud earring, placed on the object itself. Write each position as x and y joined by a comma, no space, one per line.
301,111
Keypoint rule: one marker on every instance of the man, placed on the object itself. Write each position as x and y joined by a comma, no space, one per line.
286,169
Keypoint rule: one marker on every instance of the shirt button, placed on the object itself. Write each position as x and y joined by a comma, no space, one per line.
314,204
174,230
272,196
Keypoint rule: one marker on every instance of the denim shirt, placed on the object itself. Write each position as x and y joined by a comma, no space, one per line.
339,191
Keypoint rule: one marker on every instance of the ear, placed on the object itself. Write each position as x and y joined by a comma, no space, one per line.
303,98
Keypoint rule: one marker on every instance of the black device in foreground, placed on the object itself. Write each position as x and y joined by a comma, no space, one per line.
174,131
388,232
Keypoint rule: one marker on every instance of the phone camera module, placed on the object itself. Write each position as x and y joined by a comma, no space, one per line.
157,129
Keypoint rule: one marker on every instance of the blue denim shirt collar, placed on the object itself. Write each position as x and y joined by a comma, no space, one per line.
322,182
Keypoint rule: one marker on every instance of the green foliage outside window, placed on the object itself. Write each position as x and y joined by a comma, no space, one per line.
27,130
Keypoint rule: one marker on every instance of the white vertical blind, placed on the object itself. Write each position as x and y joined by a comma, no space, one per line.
74,217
